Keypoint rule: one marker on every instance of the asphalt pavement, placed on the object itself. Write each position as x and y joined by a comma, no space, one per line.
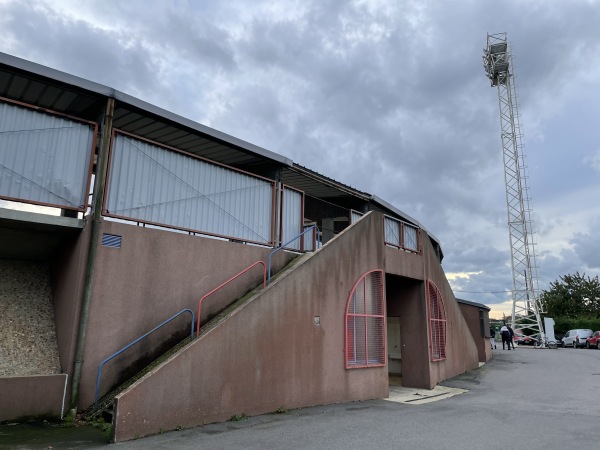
522,399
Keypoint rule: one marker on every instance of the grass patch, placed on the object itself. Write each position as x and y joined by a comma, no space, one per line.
238,417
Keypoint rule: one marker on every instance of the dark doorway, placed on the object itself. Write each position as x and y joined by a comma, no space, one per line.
407,341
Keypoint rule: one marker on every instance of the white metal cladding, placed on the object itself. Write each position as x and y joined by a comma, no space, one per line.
44,158
392,231
291,219
309,236
410,237
355,216
149,183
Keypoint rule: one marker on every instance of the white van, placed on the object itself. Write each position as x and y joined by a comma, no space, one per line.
576,338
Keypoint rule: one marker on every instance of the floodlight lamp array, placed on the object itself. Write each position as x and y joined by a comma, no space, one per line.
496,59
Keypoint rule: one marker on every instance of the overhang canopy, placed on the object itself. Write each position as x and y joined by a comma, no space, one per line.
50,89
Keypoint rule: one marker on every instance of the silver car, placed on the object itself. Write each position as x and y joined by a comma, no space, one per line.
576,338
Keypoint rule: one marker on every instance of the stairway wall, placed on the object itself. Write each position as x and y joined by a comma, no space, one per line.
32,397
155,274
282,349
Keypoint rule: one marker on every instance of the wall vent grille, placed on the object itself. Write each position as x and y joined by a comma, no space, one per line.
111,240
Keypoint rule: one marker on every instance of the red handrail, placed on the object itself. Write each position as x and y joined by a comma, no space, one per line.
223,284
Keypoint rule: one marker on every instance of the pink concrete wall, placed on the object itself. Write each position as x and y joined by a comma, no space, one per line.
410,304
269,353
461,350
471,315
67,280
30,397
406,264
155,274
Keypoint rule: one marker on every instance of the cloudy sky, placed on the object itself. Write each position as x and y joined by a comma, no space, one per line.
388,96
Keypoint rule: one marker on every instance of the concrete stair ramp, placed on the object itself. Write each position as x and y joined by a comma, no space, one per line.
105,406
280,348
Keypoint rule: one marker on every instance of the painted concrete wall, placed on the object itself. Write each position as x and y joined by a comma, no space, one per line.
67,279
38,396
461,351
406,264
155,274
471,315
408,300
268,354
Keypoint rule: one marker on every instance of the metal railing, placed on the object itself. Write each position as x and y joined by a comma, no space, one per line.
312,228
135,342
226,282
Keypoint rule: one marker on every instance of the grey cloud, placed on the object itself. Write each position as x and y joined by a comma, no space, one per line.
587,246
82,49
391,99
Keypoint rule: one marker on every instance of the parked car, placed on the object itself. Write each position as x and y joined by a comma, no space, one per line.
576,338
521,339
593,341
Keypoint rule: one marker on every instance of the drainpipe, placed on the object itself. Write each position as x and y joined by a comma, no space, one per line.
99,186
278,195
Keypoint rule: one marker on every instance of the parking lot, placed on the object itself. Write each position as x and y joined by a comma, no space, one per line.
527,398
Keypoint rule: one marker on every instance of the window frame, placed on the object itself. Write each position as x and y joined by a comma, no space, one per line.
438,326
355,347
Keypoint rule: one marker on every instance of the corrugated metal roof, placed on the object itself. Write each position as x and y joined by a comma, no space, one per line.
48,88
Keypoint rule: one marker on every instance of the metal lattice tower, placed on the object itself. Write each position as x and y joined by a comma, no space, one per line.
498,64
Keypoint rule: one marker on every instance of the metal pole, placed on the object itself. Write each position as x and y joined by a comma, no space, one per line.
277,211
99,186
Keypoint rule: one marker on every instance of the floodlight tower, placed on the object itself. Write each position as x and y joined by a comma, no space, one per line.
526,309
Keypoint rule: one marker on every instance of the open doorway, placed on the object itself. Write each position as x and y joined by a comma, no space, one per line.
407,336
394,350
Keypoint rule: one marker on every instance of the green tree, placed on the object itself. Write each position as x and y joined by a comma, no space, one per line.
573,297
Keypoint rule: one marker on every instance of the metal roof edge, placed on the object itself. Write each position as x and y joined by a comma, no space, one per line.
196,126
99,89
468,302
389,206
56,75
106,91
325,179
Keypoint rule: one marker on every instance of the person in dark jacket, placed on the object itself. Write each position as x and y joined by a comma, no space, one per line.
492,338
505,336
512,336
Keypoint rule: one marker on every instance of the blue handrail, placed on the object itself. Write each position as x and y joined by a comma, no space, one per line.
135,342
283,246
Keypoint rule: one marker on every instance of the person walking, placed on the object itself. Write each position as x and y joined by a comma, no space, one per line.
512,336
492,338
505,336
